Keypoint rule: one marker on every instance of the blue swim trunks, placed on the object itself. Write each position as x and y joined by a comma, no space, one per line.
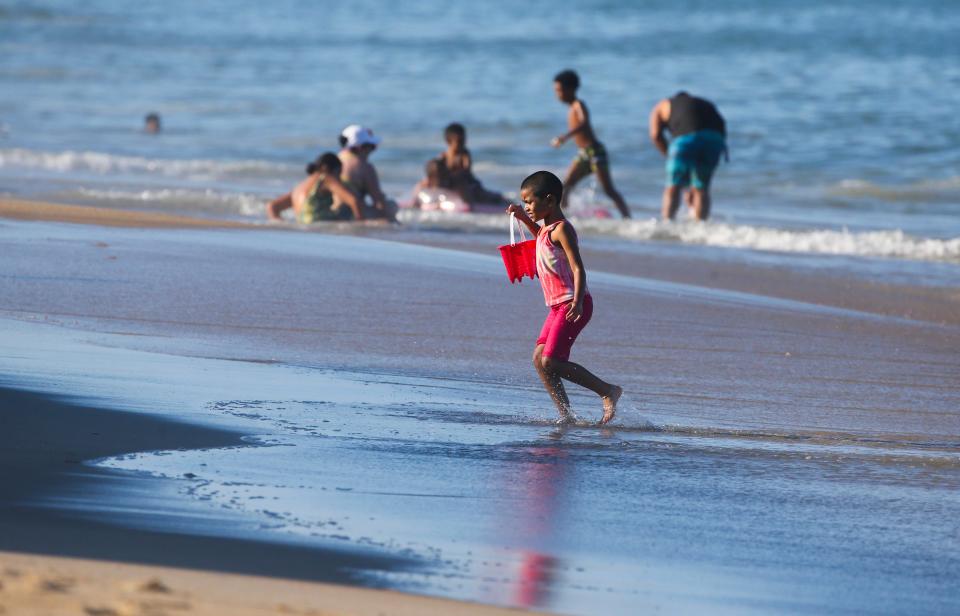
692,158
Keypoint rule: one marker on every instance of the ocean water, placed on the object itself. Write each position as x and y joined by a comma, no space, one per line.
843,130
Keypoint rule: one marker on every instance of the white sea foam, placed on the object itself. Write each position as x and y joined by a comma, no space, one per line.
891,244
102,164
215,201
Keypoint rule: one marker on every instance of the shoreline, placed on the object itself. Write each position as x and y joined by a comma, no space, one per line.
43,440
19,209
937,305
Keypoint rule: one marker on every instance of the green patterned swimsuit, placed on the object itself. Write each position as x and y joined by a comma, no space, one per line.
319,205
594,156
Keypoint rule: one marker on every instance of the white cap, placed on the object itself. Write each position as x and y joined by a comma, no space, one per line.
359,135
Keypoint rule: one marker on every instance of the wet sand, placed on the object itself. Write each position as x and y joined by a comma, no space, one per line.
394,382
825,286
56,563
36,210
52,563
43,442
937,305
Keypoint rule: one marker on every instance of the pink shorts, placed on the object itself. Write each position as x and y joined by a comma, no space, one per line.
558,334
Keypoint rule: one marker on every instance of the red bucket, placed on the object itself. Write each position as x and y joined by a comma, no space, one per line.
520,258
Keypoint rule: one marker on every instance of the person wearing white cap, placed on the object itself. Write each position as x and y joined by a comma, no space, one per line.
357,143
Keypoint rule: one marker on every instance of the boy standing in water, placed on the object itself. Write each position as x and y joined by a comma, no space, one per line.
564,283
592,156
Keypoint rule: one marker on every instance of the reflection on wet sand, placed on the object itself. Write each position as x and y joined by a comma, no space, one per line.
532,531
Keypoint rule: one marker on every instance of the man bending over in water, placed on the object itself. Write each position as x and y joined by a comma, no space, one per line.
698,137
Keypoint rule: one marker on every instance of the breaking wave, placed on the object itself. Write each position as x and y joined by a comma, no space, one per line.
103,164
209,184
890,244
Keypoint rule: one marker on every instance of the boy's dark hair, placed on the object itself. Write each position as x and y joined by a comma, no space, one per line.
343,141
438,169
543,183
568,79
152,117
454,128
328,160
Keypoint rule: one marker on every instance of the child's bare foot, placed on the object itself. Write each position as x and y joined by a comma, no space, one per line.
610,404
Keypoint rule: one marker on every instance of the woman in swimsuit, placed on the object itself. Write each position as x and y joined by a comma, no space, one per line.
322,196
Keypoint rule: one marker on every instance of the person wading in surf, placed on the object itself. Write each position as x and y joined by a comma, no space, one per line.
591,154
698,138
564,282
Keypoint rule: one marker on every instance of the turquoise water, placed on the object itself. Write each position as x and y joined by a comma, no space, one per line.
842,117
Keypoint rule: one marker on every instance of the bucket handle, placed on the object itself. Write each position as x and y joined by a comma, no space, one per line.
515,222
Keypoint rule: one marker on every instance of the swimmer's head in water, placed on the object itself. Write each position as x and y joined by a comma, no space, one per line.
325,163
541,192
455,132
565,85
151,123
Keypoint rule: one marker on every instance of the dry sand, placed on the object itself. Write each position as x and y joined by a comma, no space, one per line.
45,585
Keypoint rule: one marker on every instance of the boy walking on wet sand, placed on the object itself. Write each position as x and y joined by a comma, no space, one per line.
592,156
564,282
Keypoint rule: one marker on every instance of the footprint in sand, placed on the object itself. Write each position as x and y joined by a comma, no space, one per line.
17,581
56,584
154,585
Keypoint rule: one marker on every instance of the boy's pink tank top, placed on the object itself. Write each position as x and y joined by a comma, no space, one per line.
553,268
